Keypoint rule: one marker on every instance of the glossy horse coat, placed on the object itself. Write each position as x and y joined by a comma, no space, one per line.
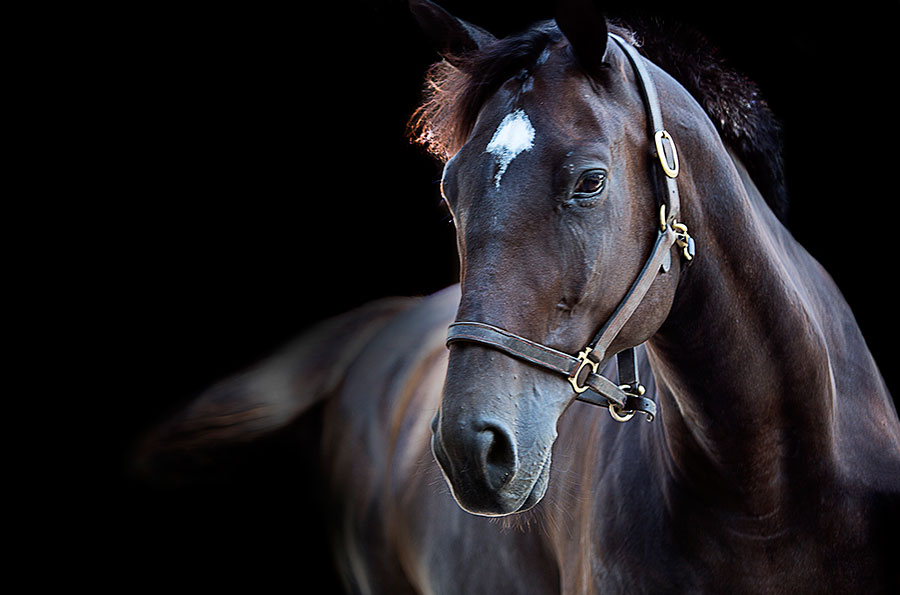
774,462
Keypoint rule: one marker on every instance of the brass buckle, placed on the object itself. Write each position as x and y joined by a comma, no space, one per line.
684,240
585,361
658,138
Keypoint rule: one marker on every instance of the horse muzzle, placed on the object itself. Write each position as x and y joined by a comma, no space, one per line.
484,467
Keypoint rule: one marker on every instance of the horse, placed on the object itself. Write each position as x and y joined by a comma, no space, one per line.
749,443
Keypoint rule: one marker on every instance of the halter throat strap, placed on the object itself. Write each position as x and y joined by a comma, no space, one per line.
625,397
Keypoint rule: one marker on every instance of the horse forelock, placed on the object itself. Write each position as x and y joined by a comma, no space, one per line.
457,88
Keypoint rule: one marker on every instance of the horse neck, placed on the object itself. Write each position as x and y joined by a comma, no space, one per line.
745,376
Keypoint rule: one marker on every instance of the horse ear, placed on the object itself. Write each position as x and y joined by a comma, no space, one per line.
449,35
584,25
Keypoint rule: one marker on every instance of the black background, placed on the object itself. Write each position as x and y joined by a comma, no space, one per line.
254,176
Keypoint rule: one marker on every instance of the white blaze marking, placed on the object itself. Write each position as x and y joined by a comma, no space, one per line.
514,135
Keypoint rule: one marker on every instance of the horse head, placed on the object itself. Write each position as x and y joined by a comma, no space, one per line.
553,190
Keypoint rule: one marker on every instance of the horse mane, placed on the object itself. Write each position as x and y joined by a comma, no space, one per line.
457,88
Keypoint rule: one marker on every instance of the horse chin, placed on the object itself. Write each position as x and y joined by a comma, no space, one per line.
535,494
538,490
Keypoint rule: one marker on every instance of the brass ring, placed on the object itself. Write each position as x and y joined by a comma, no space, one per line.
614,411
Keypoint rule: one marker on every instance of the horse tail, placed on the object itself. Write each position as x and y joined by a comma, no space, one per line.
261,402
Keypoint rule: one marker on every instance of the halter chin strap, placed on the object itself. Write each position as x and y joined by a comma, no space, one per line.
625,397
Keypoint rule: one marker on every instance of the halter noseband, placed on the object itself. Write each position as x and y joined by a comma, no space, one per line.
625,397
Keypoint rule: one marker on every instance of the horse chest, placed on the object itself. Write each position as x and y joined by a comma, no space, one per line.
695,551
619,527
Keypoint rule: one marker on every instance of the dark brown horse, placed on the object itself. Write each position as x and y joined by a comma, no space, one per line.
773,461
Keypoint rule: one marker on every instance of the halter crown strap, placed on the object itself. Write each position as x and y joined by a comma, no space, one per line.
662,140
625,398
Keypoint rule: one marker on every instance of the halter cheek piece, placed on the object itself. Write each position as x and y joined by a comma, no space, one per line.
626,396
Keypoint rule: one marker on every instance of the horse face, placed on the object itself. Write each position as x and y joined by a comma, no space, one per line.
553,202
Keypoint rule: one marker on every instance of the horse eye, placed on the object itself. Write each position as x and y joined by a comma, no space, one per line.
590,184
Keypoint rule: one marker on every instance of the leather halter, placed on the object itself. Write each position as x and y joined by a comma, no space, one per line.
625,397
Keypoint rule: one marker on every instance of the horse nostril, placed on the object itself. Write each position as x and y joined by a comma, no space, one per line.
498,454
